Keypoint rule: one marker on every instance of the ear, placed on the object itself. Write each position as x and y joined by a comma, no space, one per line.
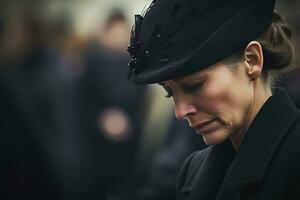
254,60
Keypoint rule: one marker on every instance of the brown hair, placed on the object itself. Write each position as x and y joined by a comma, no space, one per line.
278,50
277,47
276,43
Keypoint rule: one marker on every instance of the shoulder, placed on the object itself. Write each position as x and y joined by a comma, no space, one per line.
293,136
291,142
190,170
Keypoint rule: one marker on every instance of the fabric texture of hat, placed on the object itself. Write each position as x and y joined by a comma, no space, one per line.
174,38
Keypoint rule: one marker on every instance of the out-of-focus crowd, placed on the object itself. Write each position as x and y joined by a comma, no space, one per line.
73,127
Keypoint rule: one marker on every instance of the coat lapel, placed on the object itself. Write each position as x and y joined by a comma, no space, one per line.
267,131
212,172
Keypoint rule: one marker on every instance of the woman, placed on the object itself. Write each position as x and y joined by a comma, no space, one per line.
217,60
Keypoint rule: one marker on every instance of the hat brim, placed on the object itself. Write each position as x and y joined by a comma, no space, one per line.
232,36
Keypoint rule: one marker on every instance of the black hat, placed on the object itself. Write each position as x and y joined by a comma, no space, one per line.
175,38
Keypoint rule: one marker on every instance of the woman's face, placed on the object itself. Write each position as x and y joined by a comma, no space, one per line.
216,101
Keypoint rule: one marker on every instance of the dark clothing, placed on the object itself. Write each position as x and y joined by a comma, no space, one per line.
29,129
266,166
43,154
157,180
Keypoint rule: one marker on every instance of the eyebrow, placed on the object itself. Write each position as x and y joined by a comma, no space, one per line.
175,79
192,78
182,80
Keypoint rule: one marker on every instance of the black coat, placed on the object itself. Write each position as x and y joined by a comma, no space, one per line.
266,167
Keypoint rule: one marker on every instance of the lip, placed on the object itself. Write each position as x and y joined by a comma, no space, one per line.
203,126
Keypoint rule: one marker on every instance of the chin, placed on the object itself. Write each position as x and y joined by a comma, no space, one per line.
215,137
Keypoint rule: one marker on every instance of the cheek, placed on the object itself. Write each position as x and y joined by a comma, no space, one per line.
215,102
213,96
224,104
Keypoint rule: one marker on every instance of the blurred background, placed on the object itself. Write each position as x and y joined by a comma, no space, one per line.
71,125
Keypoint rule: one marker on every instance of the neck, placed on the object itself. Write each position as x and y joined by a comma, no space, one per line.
261,94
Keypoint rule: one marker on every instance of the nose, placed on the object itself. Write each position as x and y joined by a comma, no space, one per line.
183,109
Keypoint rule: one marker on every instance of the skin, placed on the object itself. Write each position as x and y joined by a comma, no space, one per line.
226,96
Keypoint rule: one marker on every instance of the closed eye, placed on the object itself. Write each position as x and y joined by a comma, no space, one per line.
193,87
167,89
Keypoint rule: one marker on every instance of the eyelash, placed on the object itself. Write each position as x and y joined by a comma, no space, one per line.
169,94
193,87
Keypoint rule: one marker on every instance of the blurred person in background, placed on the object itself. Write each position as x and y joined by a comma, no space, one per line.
111,108
43,146
30,112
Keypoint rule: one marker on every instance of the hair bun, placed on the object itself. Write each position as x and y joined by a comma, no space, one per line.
277,45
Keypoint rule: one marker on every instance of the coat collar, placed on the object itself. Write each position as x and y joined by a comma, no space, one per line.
268,129
263,137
